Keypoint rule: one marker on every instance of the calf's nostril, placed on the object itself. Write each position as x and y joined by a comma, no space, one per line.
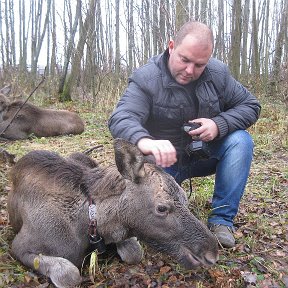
211,258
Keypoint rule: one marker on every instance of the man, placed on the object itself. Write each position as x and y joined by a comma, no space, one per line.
184,84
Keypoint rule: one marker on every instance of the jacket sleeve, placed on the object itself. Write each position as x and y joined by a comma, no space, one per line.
130,115
241,109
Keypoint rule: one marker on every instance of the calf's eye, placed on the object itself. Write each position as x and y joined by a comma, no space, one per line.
162,209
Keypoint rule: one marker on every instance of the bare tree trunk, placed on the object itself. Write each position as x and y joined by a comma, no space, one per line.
162,40
267,44
38,36
117,37
236,39
54,44
131,40
22,37
12,33
210,13
69,51
110,36
219,50
169,21
2,37
7,44
246,14
78,54
280,43
155,27
261,15
47,68
255,50
182,13
196,10
147,39
90,68
203,13
100,56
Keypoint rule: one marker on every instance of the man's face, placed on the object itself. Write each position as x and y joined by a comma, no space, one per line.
188,60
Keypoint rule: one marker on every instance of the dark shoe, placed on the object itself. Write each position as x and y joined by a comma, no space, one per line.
224,234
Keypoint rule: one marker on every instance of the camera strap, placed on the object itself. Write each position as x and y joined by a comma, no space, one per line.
181,154
190,188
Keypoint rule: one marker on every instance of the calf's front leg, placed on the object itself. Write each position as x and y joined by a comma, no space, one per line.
61,271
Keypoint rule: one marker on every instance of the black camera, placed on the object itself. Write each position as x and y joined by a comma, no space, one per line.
196,148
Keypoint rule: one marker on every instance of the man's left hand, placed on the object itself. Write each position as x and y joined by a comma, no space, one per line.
208,130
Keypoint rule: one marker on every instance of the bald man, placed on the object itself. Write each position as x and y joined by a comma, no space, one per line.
166,97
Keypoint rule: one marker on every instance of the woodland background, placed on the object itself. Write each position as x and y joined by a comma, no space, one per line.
81,42
85,50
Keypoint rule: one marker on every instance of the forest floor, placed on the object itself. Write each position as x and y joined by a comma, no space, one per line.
260,258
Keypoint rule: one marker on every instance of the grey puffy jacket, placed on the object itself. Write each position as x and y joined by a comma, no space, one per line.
154,105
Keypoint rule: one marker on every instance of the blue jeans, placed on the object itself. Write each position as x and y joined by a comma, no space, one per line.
230,160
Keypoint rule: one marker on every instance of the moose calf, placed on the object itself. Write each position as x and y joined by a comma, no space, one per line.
54,202
34,120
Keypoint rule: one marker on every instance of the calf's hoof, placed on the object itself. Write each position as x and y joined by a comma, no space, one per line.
130,250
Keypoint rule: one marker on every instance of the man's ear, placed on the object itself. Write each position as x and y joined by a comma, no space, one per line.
171,46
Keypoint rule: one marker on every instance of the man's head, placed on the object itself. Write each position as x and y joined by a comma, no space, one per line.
190,52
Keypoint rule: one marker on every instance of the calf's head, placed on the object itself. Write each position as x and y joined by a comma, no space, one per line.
154,207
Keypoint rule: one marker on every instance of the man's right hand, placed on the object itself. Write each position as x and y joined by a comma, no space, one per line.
163,151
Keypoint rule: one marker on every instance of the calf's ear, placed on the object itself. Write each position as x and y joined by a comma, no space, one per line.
129,160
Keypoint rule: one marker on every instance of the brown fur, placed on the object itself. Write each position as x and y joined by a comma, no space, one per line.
35,120
48,209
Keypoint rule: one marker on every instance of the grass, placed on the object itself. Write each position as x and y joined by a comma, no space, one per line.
262,244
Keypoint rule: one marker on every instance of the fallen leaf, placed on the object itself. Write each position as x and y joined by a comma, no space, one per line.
165,269
249,277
